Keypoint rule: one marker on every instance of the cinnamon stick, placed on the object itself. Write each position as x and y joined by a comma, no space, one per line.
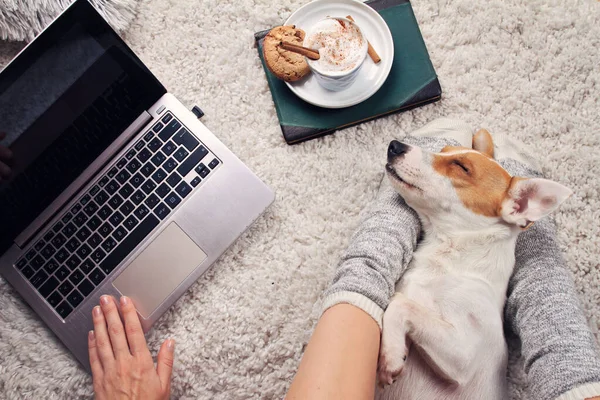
372,53
305,51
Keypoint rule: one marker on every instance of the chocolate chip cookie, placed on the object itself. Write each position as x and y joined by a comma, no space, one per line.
282,63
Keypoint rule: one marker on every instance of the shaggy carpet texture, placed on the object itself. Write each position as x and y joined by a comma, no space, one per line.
23,19
528,68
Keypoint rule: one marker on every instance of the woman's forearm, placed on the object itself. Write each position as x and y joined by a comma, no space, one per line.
340,361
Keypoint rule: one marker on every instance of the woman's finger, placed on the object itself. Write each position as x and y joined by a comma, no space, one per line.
133,328
116,331
95,362
164,363
103,345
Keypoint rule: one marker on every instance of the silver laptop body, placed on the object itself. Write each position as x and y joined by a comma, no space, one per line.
144,213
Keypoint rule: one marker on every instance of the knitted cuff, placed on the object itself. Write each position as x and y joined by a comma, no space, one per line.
357,300
589,391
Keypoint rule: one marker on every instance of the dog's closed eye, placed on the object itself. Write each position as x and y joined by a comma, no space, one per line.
461,165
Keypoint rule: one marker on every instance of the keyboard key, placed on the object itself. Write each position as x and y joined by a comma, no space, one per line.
38,278
85,287
65,288
28,272
109,244
83,234
76,277
48,236
148,136
119,233
154,145
148,169
113,171
169,148
105,212
183,189
69,230
75,298
192,160
148,186
51,266
169,130
123,176
130,154
80,219
66,218
64,309
159,175
127,208
156,128
103,181
115,201
116,218
58,240
73,262
48,251
196,181
101,198
158,159
37,262
54,299
94,190
169,165
59,225
98,255
130,242
30,254
84,251
172,200
61,256
144,155
87,266
152,200
39,245
141,212
76,208
184,138
162,210
90,208
137,180
130,223
174,179
105,230
163,190
62,273
126,190
112,187
122,162
85,199
21,263
139,145
166,118
202,171
94,223
97,276
133,166
181,154
138,197
72,244
213,163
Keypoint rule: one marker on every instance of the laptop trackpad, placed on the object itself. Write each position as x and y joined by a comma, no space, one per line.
159,269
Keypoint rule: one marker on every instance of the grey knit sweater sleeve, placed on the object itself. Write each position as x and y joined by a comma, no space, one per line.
542,309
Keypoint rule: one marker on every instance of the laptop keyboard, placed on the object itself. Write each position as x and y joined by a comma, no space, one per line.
90,240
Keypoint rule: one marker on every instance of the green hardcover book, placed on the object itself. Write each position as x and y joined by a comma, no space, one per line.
412,82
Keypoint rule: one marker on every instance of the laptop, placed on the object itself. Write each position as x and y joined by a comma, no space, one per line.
116,188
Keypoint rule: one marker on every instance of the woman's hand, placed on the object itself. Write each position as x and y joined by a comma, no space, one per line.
122,366
5,156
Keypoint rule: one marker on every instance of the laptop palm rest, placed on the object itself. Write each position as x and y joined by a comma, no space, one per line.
159,269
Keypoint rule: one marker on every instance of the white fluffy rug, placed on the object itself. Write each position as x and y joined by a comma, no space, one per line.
529,68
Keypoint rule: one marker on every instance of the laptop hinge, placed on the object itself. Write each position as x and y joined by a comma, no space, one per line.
88,174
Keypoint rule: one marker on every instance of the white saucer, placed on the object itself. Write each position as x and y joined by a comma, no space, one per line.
371,75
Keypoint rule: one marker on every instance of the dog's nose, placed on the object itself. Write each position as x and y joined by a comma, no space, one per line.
396,149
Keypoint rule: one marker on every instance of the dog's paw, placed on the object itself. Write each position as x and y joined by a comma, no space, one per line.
389,368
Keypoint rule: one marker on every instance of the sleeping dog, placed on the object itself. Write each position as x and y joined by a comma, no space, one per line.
442,333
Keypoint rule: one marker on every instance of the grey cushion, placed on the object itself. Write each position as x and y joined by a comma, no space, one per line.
23,19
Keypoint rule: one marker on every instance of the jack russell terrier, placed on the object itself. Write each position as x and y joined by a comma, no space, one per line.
442,332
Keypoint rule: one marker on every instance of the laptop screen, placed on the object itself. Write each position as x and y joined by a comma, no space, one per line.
63,101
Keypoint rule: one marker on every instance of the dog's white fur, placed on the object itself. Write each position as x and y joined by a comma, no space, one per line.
442,332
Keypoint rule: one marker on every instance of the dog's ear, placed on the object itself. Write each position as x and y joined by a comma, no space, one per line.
483,143
528,200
